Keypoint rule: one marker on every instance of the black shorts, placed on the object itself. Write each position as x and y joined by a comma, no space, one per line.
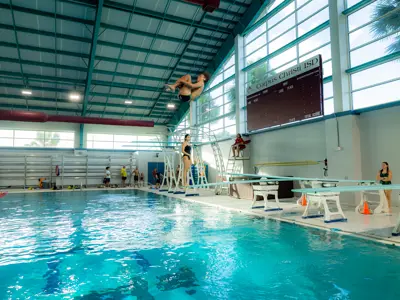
136,178
123,178
184,98
107,180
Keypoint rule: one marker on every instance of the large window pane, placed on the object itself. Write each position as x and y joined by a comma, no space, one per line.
328,90
327,69
315,41
281,27
283,58
282,41
328,107
256,44
229,72
217,124
216,92
372,51
255,33
256,56
362,16
313,22
377,95
125,138
286,66
310,8
376,75
100,137
218,79
325,53
274,4
6,142
28,134
281,15
6,133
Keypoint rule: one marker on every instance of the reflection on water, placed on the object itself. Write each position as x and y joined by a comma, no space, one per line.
124,244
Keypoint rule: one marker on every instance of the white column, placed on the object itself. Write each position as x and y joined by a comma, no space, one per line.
340,56
342,134
239,84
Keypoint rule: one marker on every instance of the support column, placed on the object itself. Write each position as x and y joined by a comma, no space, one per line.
240,94
81,134
340,56
343,145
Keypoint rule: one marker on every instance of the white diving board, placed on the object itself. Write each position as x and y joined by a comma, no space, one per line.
283,178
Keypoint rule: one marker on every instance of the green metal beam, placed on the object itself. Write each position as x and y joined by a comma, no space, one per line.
92,103
74,54
76,111
156,15
46,14
375,62
92,56
87,3
138,64
178,62
16,39
80,69
67,91
103,43
357,7
151,35
41,78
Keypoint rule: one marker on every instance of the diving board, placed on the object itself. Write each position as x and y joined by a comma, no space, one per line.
283,178
356,188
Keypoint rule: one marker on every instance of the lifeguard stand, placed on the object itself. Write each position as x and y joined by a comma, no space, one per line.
236,164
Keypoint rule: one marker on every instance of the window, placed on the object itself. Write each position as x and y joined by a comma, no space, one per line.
297,18
216,106
123,142
373,35
37,139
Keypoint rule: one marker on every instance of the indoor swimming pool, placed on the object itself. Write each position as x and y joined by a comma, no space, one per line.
137,245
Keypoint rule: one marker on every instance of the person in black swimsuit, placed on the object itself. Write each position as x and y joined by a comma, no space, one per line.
187,160
385,178
188,91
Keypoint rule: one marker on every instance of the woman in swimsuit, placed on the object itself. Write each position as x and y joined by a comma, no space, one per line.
187,161
385,178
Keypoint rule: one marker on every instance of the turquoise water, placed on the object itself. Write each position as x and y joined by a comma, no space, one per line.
137,245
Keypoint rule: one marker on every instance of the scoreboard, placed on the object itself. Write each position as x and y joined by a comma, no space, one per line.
292,95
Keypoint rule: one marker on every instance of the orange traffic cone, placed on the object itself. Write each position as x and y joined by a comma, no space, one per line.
303,200
366,210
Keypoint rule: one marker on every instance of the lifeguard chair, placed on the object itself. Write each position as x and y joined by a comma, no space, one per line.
236,164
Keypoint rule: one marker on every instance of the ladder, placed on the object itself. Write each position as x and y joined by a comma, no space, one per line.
200,168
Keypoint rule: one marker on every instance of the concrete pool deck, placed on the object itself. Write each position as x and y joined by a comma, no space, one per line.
376,227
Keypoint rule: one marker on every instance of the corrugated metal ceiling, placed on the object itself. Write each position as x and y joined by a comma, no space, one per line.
138,45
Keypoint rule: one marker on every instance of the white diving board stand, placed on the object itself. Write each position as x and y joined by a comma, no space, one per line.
264,189
382,207
320,201
396,229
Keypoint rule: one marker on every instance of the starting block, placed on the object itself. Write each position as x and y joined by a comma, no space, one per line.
320,201
264,189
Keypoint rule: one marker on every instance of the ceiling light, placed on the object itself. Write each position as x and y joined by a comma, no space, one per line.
171,105
26,92
74,96
128,102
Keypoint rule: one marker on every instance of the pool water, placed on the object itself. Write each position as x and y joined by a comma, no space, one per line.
138,245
